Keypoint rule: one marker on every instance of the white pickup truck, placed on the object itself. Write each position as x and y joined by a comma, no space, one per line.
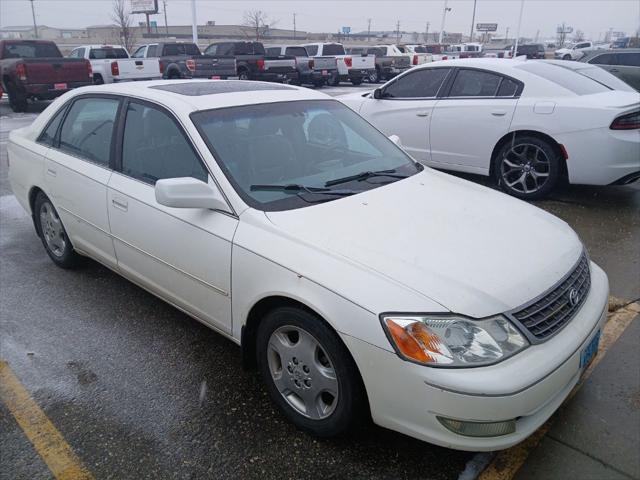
353,68
111,63
573,51
417,54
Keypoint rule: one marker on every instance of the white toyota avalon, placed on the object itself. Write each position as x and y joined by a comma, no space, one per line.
360,283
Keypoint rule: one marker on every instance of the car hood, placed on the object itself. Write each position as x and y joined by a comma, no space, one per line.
473,250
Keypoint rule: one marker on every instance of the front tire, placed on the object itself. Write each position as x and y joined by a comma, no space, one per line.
309,373
567,57
53,234
527,167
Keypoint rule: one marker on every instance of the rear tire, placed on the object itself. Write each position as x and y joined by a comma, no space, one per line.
527,168
17,101
97,79
567,57
309,373
334,80
53,234
243,74
356,81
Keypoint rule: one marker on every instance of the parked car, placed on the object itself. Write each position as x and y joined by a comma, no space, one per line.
111,63
417,53
531,50
466,50
441,52
624,64
36,70
360,283
514,117
573,51
351,68
184,60
317,71
254,64
387,66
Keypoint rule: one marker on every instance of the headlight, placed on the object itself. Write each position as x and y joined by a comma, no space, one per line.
452,341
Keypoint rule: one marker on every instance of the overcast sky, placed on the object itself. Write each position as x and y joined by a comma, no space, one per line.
594,17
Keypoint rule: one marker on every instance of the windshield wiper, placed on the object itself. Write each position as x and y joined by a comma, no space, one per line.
364,176
297,188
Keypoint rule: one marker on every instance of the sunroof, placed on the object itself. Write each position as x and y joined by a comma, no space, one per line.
195,89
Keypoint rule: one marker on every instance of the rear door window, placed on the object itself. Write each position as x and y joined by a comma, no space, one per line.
154,147
475,83
87,130
629,59
274,51
604,59
508,88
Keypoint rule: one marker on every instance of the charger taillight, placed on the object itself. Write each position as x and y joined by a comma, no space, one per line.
630,121
161,65
115,69
21,71
348,61
415,59
89,68
260,64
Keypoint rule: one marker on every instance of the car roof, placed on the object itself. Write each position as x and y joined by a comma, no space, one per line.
187,96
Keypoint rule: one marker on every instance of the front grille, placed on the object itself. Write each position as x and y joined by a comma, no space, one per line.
557,307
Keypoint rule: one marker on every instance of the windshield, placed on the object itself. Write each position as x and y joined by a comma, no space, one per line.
302,143
101,53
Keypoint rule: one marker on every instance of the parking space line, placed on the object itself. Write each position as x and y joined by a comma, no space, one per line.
45,437
506,463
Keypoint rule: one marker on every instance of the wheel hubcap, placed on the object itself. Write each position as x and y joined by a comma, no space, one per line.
525,168
302,372
52,230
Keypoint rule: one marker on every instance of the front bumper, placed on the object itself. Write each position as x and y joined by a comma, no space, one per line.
528,387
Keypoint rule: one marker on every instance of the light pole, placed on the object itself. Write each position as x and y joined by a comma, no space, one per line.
473,19
194,22
166,25
515,47
35,25
444,15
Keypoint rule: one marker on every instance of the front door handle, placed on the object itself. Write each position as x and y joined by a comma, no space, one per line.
120,204
422,114
499,113
614,70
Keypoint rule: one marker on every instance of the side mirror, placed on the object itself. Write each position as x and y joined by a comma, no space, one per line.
377,93
395,139
188,192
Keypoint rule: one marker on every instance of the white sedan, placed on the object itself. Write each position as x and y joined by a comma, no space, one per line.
528,124
359,282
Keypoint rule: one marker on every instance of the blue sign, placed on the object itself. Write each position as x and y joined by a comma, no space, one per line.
346,30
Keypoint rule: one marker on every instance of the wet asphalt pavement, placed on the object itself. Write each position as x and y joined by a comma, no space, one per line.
139,390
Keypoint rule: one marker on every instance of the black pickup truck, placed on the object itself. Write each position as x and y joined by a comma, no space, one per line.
253,63
36,70
184,60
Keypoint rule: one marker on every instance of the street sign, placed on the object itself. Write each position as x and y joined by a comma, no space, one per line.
144,6
486,27
346,30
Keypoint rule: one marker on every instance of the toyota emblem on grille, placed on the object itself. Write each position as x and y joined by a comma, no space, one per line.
574,297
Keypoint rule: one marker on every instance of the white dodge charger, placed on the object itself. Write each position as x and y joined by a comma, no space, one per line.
360,283
528,124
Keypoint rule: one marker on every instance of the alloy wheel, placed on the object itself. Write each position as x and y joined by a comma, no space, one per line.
52,230
525,168
302,372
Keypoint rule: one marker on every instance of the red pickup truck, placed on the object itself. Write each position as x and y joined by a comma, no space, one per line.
36,70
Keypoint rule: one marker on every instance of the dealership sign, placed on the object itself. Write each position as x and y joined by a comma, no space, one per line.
486,27
144,6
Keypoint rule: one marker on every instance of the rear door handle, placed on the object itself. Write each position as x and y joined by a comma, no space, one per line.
499,113
614,70
51,172
422,114
120,204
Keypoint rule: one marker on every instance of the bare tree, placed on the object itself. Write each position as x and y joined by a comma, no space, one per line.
578,36
122,18
259,22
